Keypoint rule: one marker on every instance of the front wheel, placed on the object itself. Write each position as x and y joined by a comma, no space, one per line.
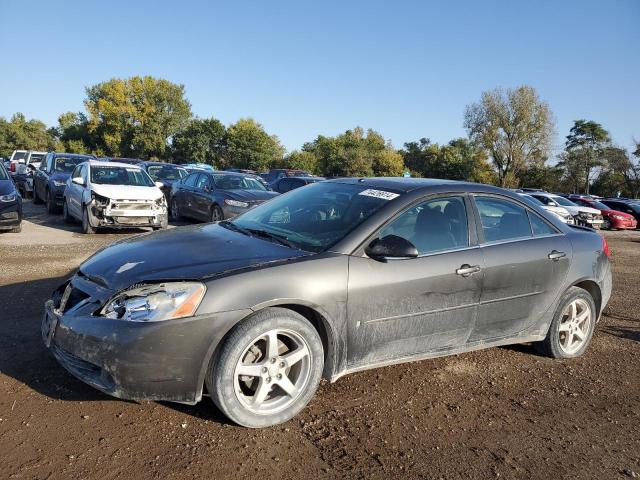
267,369
175,211
51,202
216,214
65,212
572,327
86,226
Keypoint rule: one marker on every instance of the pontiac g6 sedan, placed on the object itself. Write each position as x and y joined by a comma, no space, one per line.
326,280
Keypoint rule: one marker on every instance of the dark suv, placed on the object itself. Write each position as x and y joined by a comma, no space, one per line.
51,178
277,173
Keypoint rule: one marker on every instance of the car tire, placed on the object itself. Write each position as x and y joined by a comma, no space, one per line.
271,373
217,214
569,335
65,212
50,203
175,211
86,226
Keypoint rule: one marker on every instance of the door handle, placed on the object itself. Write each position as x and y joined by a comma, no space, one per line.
555,255
467,270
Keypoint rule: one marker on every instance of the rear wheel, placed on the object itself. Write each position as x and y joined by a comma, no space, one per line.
86,226
267,369
572,327
216,214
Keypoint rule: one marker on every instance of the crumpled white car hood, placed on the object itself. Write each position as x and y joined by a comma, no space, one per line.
127,192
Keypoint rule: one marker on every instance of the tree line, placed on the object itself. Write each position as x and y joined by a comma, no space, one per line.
509,143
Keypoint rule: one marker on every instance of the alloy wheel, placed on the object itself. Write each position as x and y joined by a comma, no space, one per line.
573,329
272,371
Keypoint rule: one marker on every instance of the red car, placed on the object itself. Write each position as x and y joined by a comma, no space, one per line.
613,219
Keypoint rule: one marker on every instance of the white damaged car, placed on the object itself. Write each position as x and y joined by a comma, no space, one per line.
113,195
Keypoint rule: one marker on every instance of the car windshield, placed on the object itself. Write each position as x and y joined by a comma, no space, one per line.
166,173
563,201
318,216
111,175
36,157
67,164
237,182
19,156
3,174
598,205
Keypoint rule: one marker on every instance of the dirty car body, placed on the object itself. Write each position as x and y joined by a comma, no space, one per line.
465,289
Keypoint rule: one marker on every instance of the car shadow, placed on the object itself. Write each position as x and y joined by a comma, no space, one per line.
622,332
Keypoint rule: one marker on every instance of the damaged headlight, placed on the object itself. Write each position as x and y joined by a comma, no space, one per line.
99,200
236,203
154,303
161,202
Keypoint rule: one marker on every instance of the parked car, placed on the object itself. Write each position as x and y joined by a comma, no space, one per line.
25,171
113,195
629,207
164,173
128,161
191,167
10,203
212,197
277,173
337,277
561,212
51,178
287,184
586,216
16,157
613,219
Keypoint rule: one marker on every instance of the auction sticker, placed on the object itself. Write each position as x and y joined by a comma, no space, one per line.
379,194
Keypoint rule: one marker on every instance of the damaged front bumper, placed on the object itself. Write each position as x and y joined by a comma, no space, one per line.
104,212
164,360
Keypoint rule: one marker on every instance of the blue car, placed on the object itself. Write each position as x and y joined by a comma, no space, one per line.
10,203
51,178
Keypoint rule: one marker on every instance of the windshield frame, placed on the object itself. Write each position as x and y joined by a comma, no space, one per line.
128,168
75,160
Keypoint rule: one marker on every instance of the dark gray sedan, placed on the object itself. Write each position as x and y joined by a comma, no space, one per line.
215,196
333,278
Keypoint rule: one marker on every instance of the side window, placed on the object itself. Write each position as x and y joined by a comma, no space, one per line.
203,181
77,172
191,180
297,183
502,219
539,226
434,225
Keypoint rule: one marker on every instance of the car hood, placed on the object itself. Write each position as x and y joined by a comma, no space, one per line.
194,252
616,212
559,210
251,195
6,187
127,192
595,211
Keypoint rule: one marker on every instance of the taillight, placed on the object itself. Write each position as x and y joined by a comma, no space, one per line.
605,247
12,167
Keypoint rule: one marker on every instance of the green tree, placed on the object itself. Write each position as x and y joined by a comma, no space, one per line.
249,146
620,176
303,161
203,141
136,117
73,133
22,134
586,143
514,126
355,153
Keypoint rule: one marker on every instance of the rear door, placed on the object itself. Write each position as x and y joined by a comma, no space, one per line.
401,308
201,196
525,262
183,196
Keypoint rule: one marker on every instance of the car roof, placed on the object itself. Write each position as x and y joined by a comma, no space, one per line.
74,155
161,164
100,163
404,185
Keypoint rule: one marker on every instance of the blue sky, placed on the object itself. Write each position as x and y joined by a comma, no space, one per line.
406,69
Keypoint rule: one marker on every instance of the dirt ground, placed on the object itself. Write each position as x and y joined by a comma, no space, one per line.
498,413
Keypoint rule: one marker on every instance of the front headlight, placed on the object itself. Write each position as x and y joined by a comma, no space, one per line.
161,202
618,217
58,183
8,198
155,303
236,203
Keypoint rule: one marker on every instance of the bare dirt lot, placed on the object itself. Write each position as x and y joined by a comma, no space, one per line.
503,412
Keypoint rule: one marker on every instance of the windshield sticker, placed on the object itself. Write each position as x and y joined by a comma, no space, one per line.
379,194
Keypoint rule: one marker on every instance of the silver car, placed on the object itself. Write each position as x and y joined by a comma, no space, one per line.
326,280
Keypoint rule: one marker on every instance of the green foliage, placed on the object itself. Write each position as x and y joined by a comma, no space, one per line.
585,144
458,160
514,126
620,176
249,146
135,117
302,160
73,133
202,141
22,134
355,154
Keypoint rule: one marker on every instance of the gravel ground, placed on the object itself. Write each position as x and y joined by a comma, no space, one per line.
502,412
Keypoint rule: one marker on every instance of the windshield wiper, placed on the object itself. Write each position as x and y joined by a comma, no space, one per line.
234,227
274,236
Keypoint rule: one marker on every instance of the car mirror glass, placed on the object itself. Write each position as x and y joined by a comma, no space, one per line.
391,246
78,181
159,184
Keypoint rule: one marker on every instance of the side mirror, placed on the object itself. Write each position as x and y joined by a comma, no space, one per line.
78,181
391,246
159,184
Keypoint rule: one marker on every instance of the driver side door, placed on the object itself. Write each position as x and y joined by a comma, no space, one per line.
400,308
